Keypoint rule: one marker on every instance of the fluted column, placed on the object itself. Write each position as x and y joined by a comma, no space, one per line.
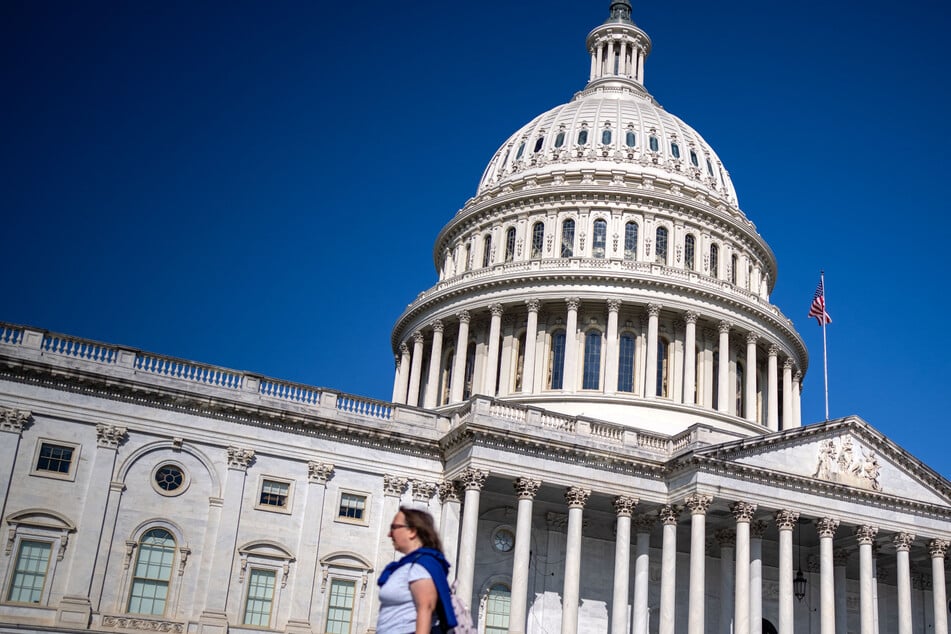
723,369
525,488
772,387
642,526
457,387
623,507
797,399
571,345
786,521
611,348
840,557
726,537
750,387
743,513
865,535
690,358
668,515
937,548
903,543
787,394
402,375
531,333
576,497
472,481
826,528
416,371
435,359
650,370
875,549
699,505
757,530
492,363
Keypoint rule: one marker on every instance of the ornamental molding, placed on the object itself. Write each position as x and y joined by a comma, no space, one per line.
423,491
139,623
838,462
319,472
239,458
698,503
14,420
393,485
448,492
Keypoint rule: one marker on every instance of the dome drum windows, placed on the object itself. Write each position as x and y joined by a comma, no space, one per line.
630,241
591,374
630,139
568,238
583,135
714,261
653,143
538,240
606,136
690,248
675,150
599,243
487,251
660,245
510,244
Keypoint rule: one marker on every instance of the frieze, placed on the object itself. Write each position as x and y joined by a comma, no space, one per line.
838,462
138,623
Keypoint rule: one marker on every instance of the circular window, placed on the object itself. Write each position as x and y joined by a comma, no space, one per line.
169,479
503,540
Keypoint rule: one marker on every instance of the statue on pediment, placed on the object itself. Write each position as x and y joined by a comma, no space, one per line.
837,462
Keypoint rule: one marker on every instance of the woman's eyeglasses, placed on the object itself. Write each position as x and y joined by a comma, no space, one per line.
393,527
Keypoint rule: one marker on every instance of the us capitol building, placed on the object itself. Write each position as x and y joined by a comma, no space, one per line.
596,400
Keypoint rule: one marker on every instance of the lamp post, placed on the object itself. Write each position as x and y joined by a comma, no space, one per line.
799,582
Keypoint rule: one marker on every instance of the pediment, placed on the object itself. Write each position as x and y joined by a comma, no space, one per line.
846,452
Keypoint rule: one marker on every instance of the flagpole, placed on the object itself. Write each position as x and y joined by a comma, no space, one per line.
825,358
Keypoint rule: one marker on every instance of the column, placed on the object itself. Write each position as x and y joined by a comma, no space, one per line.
12,422
772,396
402,375
306,574
642,527
788,396
611,348
393,489
640,67
472,481
412,398
786,521
726,537
699,505
723,371
459,362
507,360
757,530
690,358
743,512
750,387
600,60
448,494
797,399
668,568
840,557
826,528
903,543
571,345
938,548
865,535
611,70
531,333
435,361
576,497
650,369
526,489
875,549
492,362
624,508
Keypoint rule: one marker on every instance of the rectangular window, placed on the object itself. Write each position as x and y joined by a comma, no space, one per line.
340,606
353,507
274,493
29,575
153,569
54,458
257,608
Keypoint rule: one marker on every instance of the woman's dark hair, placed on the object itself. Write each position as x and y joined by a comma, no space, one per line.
424,525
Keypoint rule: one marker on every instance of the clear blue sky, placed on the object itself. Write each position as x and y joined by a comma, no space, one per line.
258,184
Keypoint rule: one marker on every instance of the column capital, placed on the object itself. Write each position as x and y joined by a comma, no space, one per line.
423,491
533,305
758,528
840,557
448,491
724,326
786,520
463,316
743,511
698,503
240,458
797,376
614,305
644,523
496,310
111,436
653,310
668,514
865,535
938,547
690,317
787,364
573,303
526,488
418,337
14,420
773,350
393,486
903,541
751,338
827,526
726,537
624,505
474,479
404,349
576,497
319,472
438,325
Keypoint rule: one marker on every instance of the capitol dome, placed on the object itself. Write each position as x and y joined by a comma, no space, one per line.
604,269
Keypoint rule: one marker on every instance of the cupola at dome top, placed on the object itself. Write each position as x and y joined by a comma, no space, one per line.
618,49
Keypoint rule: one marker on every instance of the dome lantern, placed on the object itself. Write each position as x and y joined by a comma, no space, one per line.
618,49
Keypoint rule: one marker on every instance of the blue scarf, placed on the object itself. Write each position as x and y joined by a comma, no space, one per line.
436,565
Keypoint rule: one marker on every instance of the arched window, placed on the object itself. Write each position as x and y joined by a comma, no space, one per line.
470,371
567,238
740,390
714,261
487,251
675,150
660,246
591,379
733,267
510,244
625,371
466,256
560,139
538,239
690,247
556,361
630,241
606,137
709,168
663,367
538,144
152,573
599,243
583,136
521,150
693,159
653,143
498,603
630,140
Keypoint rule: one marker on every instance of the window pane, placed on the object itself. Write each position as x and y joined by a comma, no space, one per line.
257,610
654,144
470,371
497,607
660,249
510,244
486,251
582,137
538,143
625,377
153,569
606,137
600,238
693,159
662,366
630,241
557,361
629,138
689,249
340,606
29,575
675,150
560,139
714,260
274,493
567,238
521,150
733,265
592,361
54,458
538,238
352,506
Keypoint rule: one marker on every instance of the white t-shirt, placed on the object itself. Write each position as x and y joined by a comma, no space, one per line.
397,610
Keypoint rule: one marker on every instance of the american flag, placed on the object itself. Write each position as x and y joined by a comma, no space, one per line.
818,307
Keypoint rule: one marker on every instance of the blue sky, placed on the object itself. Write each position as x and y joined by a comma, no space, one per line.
258,185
